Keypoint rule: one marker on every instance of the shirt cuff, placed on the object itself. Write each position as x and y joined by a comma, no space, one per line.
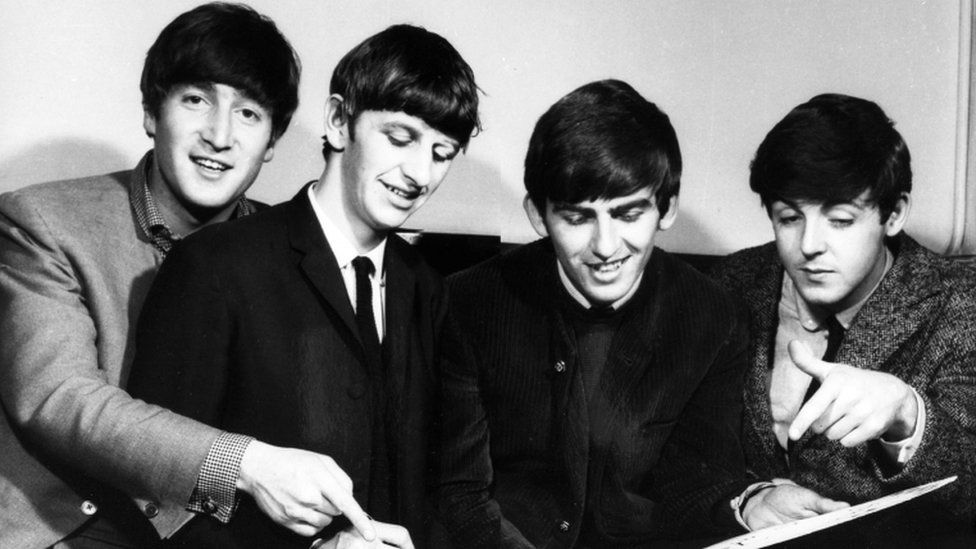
901,451
216,491
738,503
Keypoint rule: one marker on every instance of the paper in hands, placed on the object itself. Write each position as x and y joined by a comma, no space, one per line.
792,530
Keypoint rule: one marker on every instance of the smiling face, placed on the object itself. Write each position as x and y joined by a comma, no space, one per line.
603,245
210,142
835,254
389,165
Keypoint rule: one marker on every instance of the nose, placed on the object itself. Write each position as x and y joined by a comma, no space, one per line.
812,240
605,240
218,132
416,167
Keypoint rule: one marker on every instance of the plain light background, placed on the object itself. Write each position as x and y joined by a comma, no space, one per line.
724,70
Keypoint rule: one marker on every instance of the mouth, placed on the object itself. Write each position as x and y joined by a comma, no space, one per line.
411,194
608,267
210,164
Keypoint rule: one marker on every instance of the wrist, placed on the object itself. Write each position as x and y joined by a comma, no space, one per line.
245,476
743,504
905,419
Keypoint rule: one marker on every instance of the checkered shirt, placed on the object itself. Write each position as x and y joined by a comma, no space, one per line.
147,213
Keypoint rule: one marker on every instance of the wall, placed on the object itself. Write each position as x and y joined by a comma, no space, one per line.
725,71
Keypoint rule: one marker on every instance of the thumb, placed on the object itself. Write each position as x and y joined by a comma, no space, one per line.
804,360
826,505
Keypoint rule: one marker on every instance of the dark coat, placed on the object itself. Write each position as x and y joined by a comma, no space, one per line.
249,328
919,325
518,468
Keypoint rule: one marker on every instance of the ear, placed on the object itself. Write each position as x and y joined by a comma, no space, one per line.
668,219
336,122
149,123
899,214
536,218
269,153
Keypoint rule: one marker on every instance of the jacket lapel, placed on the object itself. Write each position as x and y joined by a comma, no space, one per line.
763,295
316,260
903,300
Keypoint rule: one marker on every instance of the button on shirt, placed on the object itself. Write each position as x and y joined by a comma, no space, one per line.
801,321
345,251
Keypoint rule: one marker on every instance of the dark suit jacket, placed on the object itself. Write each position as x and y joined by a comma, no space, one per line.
920,325
251,330
518,468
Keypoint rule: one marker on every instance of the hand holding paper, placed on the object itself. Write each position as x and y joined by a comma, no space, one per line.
786,502
852,405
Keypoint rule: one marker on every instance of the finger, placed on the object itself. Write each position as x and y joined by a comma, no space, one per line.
860,435
342,479
841,428
827,505
810,412
346,504
808,363
395,535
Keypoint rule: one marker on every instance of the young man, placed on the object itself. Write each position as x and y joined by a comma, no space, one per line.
863,354
311,325
77,257
591,382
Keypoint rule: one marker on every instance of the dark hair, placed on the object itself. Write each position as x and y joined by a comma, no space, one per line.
228,44
832,149
602,140
409,69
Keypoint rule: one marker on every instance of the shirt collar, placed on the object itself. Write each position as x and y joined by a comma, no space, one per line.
812,317
150,220
581,299
342,247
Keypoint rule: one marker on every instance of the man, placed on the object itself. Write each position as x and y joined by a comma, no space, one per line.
76,259
591,381
311,325
891,403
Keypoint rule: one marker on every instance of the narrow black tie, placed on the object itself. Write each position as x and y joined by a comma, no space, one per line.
835,333
365,320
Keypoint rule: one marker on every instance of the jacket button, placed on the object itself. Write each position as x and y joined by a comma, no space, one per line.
209,506
356,391
151,510
560,366
88,507
564,526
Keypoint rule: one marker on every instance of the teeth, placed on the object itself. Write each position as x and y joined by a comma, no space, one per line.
609,266
400,192
210,164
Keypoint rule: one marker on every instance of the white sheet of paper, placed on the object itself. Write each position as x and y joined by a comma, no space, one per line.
791,530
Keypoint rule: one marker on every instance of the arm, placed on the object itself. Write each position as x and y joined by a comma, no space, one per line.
56,382
184,362
470,514
702,464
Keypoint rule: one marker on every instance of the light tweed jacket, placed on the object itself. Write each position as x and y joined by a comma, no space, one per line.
74,270
920,325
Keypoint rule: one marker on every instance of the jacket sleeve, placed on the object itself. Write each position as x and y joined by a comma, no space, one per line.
949,393
55,389
464,500
702,466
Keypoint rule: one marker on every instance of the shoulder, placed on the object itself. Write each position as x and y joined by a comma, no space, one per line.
688,285
66,200
524,269
742,269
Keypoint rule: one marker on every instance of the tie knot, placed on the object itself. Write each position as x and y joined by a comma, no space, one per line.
834,326
363,265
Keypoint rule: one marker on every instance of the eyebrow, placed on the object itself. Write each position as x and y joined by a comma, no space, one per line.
637,203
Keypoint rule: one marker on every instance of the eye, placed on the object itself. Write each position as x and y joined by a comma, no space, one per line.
192,99
787,219
574,218
630,216
398,140
841,222
250,115
445,154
